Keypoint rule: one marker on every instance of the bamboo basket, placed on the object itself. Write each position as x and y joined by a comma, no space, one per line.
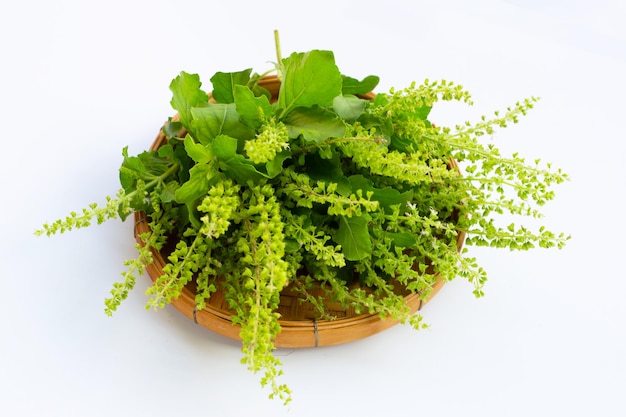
299,325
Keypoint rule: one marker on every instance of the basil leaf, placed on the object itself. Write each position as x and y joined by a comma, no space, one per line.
383,125
224,84
253,110
197,185
146,166
328,171
354,86
224,147
308,79
238,167
168,194
132,168
218,119
403,240
242,170
387,197
201,154
166,152
172,129
187,94
275,166
314,124
354,237
349,107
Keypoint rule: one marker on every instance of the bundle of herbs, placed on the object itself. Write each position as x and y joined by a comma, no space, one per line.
320,186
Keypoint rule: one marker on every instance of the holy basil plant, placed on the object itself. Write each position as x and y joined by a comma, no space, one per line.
319,186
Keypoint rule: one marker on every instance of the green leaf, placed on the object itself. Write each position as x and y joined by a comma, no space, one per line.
258,91
328,171
387,197
184,161
187,94
218,119
405,145
168,193
166,152
354,238
253,110
423,112
308,79
275,166
403,240
172,129
132,169
224,84
242,170
383,125
197,185
235,165
355,87
145,166
224,147
314,124
349,107
198,152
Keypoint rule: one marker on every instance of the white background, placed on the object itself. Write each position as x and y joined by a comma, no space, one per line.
79,80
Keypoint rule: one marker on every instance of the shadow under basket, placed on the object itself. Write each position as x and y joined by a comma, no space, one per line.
299,326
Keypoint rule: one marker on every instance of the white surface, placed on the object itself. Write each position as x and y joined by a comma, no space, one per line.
79,80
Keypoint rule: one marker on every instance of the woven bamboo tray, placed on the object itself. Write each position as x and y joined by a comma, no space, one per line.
300,327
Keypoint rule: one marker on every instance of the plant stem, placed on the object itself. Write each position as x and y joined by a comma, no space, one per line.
152,183
279,58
